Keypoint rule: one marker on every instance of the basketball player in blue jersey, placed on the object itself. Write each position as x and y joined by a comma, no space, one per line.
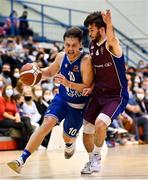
75,73
109,94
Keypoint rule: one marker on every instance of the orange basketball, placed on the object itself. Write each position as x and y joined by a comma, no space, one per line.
30,74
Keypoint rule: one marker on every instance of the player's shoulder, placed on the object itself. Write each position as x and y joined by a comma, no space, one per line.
61,54
86,57
59,58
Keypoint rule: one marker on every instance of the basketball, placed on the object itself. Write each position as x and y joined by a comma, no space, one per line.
30,74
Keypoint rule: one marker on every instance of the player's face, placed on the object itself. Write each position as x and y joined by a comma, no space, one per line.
94,32
72,47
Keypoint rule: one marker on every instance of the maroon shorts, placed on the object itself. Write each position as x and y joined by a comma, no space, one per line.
109,103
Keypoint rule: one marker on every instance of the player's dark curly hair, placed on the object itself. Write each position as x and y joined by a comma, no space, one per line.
94,18
74,32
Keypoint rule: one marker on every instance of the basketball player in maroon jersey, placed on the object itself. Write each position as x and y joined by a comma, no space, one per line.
109,94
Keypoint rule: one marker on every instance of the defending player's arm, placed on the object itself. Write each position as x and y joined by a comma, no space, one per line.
113,43
87,76
53,68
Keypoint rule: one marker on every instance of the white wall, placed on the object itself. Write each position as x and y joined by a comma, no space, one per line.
133,10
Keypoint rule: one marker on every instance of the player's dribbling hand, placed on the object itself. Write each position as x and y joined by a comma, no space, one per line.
60,79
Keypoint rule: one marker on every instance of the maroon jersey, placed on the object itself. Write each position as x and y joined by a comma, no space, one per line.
109,69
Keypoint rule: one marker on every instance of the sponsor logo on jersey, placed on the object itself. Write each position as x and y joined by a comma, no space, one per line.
108,64
75,68
66,65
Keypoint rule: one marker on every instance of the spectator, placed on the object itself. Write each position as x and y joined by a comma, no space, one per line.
19,87
19,99
9,116
41,107
53,52
2,83
24,25
47,96
16,73
30,109
136,111
11,21
10,54
6,73
55,90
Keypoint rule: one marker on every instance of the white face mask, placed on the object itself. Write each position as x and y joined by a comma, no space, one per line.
57,84
140,96
1,83
38,93
9,92
48,97
45,85
17,75
137,80
135,88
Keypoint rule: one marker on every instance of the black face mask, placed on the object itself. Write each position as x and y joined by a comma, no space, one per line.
24,16
6,73
28,98
21,104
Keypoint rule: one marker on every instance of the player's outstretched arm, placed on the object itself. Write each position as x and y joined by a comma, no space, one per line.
54,68
113,43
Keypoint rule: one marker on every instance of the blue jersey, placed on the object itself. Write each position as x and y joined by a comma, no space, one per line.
72,72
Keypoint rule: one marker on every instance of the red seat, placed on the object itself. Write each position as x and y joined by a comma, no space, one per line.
8,143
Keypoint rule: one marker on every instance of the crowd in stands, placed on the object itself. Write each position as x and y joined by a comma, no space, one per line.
14,25
22,107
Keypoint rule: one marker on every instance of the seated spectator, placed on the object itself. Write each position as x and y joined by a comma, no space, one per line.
41,105
9,56
2,83
53,52
6,73
19,87
19,99
135,110
30,109
41,59
11,21
24,28
9,116
47,96
2,32
55,90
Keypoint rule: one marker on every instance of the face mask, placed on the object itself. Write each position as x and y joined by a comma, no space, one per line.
25,16
38,93
6,73
1,83
17,75
140,96
45,85
57,84
10,49
135,88
144,87
28,98
47,98
137,80
21,104
9,92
